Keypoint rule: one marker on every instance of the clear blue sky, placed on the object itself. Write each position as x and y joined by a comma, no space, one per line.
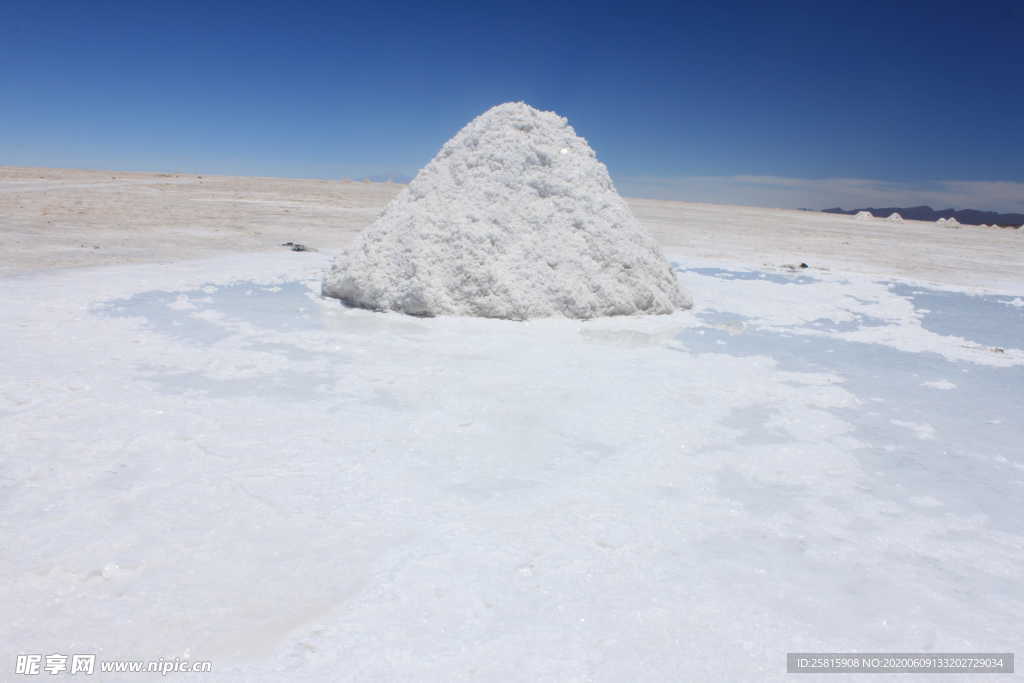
905,94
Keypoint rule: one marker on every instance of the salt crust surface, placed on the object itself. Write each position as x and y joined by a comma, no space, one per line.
514,218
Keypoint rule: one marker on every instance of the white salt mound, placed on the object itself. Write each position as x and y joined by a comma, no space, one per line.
514,218
952,222
895,217
864,215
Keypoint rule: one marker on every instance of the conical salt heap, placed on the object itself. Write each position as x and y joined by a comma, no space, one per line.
864,215
895,217
514,218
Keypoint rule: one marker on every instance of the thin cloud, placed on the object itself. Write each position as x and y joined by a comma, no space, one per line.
792,193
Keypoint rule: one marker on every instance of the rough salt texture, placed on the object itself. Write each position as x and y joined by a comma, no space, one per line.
514,218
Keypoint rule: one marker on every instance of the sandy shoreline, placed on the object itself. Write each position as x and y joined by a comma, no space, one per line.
61,218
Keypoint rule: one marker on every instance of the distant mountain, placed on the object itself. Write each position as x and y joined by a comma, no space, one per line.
927,213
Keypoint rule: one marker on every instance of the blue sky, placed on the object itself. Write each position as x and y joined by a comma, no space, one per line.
718,101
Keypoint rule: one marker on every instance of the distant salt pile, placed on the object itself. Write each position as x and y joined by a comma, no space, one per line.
895,217
952,222
864,215
514,218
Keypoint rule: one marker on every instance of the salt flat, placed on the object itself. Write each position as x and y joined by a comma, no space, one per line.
67,218
62,218
205,459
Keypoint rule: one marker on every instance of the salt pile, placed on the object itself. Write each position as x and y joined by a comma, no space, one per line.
514,218
952,222
895,217
864,216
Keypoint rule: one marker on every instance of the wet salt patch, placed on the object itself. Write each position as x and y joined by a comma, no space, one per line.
865,311
989,320
721,273
939,384
859,321
206,315
888,382
450,456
